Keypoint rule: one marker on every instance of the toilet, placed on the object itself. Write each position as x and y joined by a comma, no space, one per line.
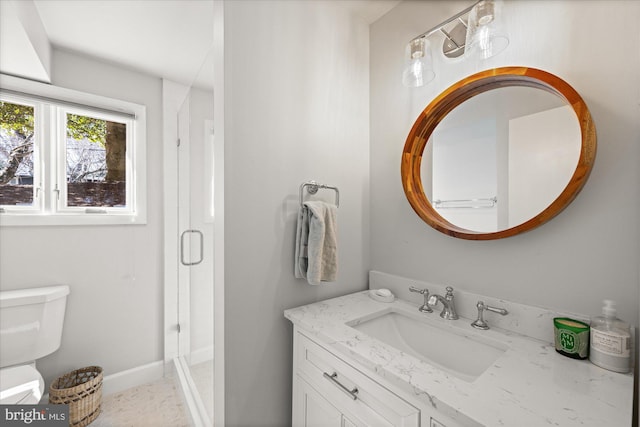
30,328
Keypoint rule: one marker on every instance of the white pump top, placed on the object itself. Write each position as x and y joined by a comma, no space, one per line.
609,308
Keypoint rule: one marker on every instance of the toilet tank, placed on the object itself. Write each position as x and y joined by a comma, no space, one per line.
31,323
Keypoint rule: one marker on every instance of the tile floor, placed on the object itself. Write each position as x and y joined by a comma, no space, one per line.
156,404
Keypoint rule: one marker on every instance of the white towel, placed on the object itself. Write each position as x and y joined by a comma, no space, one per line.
316,257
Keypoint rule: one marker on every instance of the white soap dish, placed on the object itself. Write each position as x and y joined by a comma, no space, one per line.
382,295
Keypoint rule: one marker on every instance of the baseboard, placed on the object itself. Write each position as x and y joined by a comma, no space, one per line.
133,377
201,355
139,375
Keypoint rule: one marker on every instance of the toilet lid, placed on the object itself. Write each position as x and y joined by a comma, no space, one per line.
20,385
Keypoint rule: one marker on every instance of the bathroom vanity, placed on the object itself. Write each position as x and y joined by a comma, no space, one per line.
362,362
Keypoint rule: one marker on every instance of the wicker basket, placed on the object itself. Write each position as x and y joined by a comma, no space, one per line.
82,391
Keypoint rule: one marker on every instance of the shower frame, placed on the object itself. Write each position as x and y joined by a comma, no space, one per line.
173,95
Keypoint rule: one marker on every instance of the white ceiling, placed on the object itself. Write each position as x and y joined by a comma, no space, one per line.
369,10
166,38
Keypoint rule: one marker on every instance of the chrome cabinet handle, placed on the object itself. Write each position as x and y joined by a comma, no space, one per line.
182,260
334,379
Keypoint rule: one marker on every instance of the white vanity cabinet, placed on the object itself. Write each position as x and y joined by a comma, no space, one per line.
328,391
344,376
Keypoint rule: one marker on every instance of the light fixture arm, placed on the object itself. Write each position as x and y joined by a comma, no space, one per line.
449,37
441,25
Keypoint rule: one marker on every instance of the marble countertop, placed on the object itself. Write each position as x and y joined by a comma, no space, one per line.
530,384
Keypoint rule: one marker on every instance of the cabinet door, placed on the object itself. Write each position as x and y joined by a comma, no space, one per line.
310,409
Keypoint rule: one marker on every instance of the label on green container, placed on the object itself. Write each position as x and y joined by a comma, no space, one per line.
571,337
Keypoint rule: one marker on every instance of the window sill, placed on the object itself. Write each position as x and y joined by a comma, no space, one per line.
9,220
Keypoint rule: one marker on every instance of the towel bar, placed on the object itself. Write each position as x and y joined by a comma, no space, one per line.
466,203
313,189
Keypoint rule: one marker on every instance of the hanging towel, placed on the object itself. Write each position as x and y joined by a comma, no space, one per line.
316,257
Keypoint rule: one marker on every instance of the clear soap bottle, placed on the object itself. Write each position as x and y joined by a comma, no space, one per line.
610,343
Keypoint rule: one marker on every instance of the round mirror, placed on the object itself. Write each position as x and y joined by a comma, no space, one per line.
498,153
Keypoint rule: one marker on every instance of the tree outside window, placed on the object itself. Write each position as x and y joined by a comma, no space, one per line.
16,154
95,162
95,159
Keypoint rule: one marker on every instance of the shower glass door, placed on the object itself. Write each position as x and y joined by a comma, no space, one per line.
195,264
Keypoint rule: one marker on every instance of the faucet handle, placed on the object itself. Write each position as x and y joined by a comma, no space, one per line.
449,290
480,323
425,292
420,291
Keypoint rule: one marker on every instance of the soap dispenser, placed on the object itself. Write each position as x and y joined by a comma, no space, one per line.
610,340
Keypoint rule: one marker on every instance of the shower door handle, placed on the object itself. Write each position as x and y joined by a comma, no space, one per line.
182,236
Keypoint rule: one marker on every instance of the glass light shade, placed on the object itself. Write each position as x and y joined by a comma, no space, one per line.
486,36
418,68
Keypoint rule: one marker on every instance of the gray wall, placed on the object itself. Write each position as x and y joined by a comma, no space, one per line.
114,311
587,253
297,97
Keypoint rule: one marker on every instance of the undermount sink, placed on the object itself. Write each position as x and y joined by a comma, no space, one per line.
461,353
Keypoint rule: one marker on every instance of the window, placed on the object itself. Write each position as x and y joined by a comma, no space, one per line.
93,160
17,172
70,159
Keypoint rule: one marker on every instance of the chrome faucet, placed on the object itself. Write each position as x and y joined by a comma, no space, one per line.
425,306
480,323
448,306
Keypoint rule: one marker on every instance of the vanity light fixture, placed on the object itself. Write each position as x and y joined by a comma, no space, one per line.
485,33
477,30
418,68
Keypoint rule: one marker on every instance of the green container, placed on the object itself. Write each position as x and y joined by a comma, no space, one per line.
571,337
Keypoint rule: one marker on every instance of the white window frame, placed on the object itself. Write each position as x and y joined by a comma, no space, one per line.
51,104
38,171
61,161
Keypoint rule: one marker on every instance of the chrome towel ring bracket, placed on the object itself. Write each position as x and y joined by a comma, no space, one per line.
313,187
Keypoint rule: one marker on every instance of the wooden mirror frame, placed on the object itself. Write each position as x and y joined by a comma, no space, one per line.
467,88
